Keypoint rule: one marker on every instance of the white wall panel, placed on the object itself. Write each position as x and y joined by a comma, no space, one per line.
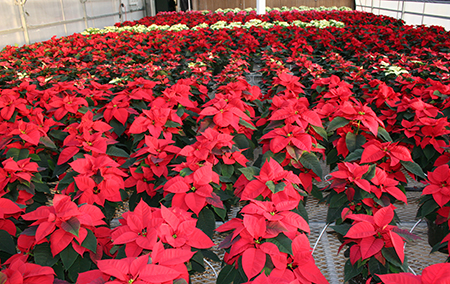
45,18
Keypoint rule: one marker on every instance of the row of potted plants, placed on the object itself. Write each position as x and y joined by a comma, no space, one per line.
167,121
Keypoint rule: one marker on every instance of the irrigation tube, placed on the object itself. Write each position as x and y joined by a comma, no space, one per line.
210,265
320,236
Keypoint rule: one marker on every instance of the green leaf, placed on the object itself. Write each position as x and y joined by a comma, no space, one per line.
7,243
310,161
206,222
354,141
227,170
342,228
41,187
351,271
382,133
13,153
47,142
246,124
427,207
71,226
321,131
185,172
90,242
81,264
413,168
250,172
117,126
353,156
43,255
128,163
375,267
227,275
370,172
283,243
116,152
172,124
391,256
221,212
336,123
68,257
35,158
17,154
275,187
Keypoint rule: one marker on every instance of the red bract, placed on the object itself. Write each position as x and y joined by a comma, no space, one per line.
18,271
273,182
158,153
371,233
439,185
433,274
384,184
141,229
194,191
358,113
349,174
375,151
161,266
8,209
289,138
65,222
99,179
89,135
64,103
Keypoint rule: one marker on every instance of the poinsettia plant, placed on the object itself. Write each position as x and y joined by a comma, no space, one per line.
376,245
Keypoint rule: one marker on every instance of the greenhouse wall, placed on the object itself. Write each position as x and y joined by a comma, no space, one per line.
214,4
38,20
412,12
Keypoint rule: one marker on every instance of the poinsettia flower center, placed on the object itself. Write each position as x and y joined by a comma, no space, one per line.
174,236
114,105
193,188
361,113
221,110
143,232
272,213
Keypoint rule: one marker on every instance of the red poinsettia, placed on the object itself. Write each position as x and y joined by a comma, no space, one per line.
439,185
99,179
194,191
348,174
141,229
65,222
19,271
273,181
369,234
160,266
375,151
433,274
8,209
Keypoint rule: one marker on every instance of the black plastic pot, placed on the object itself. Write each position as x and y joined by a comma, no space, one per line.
436,233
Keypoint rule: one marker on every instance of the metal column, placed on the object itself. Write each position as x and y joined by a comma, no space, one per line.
260,7
21,4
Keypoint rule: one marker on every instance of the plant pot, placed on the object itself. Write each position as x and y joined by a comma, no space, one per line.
436,233
357,280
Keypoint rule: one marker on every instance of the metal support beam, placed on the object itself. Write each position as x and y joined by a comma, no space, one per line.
260,7
403,10
85,14
63,16
21,4
423,13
